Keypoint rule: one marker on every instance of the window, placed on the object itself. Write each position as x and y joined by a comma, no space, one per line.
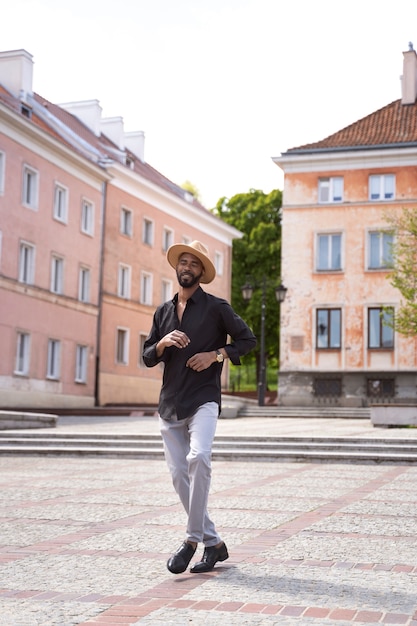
380,327
84,284
328,387
54,359
57,275
27,263
126,222
218,263
329,252
142,339
60,203
380,250
123,287
22,354
2,170
146,288
30,187
81,364
167,238
331,189
166,292
122,346
87,217
382,187
147,235
328,330
380,387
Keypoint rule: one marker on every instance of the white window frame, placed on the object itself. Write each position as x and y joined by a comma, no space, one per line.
382,262
148,231
84,284
57,274
61,203
87,217
142,339
126,222
166,290
381,187
30,187
167,238
122,346
124,281
81,361
27,263
330,190
331,236
219,262
53,365
381,336
146,288
333,338
22,363
2,171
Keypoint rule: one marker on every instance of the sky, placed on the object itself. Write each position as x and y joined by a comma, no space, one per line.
219,87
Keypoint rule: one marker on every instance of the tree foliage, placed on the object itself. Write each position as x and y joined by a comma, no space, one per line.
257,255
404,275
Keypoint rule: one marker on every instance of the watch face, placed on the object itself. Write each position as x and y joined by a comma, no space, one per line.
219,357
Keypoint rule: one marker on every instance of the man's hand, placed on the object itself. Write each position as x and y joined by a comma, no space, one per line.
175,338
201,361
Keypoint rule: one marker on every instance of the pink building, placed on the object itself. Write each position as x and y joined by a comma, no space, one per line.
84,226
336,237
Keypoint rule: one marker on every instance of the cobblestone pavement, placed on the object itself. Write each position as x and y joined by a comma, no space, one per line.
84,541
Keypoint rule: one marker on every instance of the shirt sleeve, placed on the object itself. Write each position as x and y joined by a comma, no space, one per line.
150,358
242,338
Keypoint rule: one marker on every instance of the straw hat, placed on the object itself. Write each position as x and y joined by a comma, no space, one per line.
197,249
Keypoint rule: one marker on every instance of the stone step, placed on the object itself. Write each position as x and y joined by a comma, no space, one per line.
249,410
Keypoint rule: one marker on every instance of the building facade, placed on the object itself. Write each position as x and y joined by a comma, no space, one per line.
337,344
84,227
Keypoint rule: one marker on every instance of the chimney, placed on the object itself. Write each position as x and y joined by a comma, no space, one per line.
16,72
409,77
135,142
88,111
113,128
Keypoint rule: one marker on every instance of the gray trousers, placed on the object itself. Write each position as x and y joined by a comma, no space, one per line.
187,447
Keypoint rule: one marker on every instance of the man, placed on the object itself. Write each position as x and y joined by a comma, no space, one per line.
189,334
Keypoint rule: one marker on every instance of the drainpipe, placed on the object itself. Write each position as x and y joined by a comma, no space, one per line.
100,294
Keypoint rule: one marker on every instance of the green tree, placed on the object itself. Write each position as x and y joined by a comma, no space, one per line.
192,189
404,275
257,255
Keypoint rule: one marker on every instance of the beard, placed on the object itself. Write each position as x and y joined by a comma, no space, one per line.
186,279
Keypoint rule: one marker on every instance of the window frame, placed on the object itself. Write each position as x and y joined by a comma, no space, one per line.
126,222
330,251
382,194
167,238
146,288
53,362
60,209
27,265
122,349
148,235
23,341
383,312
84,284
57,274
124,279
87,217
329,183
81,364
330,345
30,187
381,233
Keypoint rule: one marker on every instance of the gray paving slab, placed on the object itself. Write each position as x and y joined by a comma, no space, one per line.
85,541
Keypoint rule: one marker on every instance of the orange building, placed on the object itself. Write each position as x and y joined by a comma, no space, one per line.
84,226
336,346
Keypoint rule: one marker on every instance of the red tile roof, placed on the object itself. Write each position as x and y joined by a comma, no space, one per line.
394,124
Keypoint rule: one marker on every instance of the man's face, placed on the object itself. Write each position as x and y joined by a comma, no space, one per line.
189,270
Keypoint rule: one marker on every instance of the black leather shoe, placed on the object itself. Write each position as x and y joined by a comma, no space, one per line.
210,557
178,563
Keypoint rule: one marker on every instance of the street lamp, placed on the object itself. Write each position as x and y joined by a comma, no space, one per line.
247,292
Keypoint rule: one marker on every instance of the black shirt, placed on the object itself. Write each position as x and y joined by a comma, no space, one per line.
208,321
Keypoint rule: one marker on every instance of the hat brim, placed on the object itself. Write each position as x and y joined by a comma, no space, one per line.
178,249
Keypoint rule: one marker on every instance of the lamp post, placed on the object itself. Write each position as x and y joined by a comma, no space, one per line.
247,292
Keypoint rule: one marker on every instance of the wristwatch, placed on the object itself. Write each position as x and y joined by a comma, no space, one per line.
219,357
